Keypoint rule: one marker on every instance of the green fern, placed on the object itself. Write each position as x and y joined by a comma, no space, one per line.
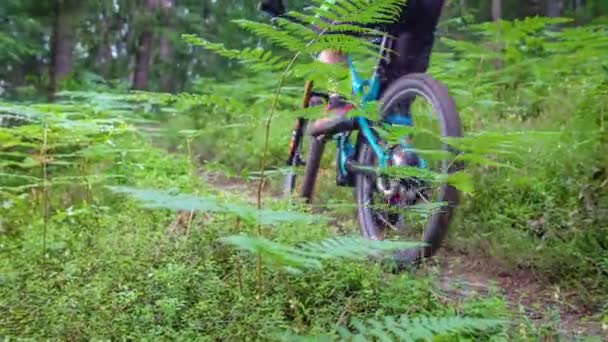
345,16
60,136
402,328
345,43
17,114
289,36
255,59
187,101
320,73
359,11
309,255
175,201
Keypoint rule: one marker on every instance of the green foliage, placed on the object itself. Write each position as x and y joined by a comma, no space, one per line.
424,328
111,271
544,211
54,145
257,59
298,39
360,11
308,255
155,199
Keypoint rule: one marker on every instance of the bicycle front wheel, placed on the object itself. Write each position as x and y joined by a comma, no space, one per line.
411,206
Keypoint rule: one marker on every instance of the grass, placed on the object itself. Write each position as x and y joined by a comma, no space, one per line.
112,271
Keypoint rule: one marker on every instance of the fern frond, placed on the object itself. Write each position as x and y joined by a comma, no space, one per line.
502,143
518,27
309,255
14,115
345,43
284,255
184,101
346,15
12,120
353,247
156,199
360,11
113,103
402,328
348,28
256,59
305,20
291,37
319,72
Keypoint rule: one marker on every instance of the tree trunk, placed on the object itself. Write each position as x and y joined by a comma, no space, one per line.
144,51
103,58
167,83
496,10
103,51
496,16
553,8
62,43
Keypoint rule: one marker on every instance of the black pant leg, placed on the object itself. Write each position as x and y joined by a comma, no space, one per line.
415,32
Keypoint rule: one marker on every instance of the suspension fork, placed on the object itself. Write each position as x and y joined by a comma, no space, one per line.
298,131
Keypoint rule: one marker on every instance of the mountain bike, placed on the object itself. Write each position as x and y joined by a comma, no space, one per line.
388,203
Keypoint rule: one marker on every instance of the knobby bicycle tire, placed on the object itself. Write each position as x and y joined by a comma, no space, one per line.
438,225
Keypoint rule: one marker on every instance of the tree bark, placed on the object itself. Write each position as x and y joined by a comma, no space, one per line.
553,8
103,51
144,51
496,10
165,53
496,16
62,43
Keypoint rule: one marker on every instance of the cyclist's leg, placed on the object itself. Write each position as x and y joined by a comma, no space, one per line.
415,32
273,8
336,107
331,57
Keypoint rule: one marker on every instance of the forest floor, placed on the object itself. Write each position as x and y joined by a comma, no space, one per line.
460,276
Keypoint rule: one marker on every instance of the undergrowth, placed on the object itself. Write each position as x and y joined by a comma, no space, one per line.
108,269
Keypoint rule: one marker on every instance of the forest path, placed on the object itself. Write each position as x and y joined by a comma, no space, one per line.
461,276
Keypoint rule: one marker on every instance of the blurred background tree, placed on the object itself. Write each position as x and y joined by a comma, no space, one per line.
49,45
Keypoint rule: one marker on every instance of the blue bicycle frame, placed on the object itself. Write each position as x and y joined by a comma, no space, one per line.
368,90
345,149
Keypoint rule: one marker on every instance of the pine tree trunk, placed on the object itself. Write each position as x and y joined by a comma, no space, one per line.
165,53
553,8
496,16
103,52
496,10
62,43
144,52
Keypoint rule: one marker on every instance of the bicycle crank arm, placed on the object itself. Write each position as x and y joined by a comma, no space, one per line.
355,167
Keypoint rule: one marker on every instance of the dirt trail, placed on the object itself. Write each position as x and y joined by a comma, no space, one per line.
461,276
540,301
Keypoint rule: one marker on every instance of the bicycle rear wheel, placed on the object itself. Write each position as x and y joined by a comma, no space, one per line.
411,207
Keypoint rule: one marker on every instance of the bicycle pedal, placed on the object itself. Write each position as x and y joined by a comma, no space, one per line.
344,181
